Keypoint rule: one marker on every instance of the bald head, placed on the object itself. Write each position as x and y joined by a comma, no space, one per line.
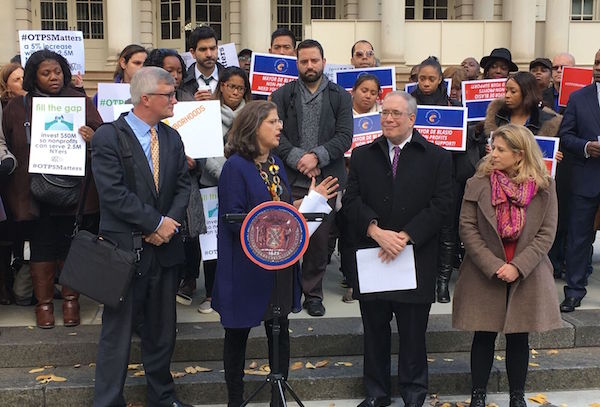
558,62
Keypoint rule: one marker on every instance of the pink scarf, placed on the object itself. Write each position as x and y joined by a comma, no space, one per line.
510,201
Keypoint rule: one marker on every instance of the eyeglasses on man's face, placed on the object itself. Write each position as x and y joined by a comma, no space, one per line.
362,54
396,114
168,95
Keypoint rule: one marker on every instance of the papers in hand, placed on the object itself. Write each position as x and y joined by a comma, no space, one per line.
314,202
375,276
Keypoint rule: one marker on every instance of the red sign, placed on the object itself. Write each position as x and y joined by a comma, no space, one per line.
573,79
488,89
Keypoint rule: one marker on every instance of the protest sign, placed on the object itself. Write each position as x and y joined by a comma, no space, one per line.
188,59
477,95
411,86
367,127
56,146
208,240
385,74
573,79
227,55
269,72
110,95
69,44
549,147
331,69
443,125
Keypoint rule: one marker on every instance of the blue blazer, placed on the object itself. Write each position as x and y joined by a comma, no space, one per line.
580,124
242,289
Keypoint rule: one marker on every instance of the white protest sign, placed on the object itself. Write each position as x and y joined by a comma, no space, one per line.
69,44
110,95
187,58
227,55
208,240
331,69
56,146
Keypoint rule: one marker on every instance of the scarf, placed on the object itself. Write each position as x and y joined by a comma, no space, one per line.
510,201
228,115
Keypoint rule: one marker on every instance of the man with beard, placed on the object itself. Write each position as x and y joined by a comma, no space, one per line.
202,77
317,130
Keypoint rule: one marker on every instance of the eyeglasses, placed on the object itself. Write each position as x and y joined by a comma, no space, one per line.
233,87
557,67
244,58
362,54
396,114
168,95
275,121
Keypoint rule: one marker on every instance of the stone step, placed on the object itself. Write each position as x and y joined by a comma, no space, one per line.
575,368
28,346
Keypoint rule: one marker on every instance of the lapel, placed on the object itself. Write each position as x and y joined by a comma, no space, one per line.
382,144
139,156
481,192
592,97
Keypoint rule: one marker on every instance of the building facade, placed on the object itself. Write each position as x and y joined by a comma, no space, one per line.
403,32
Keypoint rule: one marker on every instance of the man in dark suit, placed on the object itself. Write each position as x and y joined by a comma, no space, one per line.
398,193
580,135
151,210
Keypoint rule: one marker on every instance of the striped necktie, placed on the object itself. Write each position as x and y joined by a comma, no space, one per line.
154,154
397,150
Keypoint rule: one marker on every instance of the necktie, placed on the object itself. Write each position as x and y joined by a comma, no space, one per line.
206,80
154,154
397,150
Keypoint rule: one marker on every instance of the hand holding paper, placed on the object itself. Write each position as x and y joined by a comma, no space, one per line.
314,202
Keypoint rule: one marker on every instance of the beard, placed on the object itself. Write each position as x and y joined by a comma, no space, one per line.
310,77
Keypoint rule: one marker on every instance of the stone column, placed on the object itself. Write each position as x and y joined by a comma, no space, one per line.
119,27
351,10
256,24
392,31
522,32
8,32
483,10
556,29
369,9
235,24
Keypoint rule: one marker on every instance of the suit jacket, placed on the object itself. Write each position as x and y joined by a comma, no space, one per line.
417,201
581,123
190,84
121,210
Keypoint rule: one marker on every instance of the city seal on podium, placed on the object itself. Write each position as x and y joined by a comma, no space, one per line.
274,235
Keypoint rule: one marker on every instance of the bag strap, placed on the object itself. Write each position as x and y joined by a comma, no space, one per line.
27,123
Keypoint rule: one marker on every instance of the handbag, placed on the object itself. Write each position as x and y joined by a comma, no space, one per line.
95,266
58,190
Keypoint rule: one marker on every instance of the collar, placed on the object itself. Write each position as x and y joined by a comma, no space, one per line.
598,88
198,74
401,145
138,126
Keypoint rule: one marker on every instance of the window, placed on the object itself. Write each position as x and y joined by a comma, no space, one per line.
428,9
409,10
208,12
582,10
53,15
322,9
293,14
170,19
90,19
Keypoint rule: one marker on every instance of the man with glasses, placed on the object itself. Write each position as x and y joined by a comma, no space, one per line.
363,55
398,193
558,63
146,215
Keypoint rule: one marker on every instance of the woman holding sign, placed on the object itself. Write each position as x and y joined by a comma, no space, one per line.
49,227
244,292
507,223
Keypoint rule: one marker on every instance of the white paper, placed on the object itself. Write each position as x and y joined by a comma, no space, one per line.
69,44
331,69
109,96
314,202
228,55
376,276
187,58
208,240
56,146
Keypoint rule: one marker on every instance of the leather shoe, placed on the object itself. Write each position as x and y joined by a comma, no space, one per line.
178,403
569,304
375,402
314,308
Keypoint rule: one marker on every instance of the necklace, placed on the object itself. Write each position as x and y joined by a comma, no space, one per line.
274,186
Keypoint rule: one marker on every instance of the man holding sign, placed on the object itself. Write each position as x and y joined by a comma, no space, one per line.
201,78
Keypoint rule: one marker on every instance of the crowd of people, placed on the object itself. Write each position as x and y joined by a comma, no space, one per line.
492,211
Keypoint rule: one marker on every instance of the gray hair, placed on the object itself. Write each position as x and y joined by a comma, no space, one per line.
565,54
411,102
146,80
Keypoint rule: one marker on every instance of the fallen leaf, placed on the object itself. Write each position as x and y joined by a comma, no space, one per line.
448,360
58,379
253,365
498,357
492,405
461,404
430,360
47,378
265,368
534,352
92,364
134,366
446,404
532,356
190,370
72,333
552,352
77,366
595,405
48,367
296,366
30,327
539,398
289,330
532,364
256,372
37,370
201,369
310,329
347,364
332,404
177,375
309,365
564,405
139,373
322,363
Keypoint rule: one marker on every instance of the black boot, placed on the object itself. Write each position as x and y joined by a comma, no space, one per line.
6,276
517,399
445,263
478,398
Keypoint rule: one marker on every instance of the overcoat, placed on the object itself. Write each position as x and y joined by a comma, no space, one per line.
482,302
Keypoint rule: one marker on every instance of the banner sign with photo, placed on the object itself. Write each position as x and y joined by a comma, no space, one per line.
367,127
411,86
56,146
549,147
573,79
269,72
208,240
227,55
69,44
110,95
477,95
385,74
443,125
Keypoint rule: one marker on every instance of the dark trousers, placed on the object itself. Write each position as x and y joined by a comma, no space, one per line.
234,357
314,261
411,320
152,298
579,239
210,269
191,268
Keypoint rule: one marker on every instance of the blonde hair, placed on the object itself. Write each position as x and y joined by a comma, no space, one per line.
520,140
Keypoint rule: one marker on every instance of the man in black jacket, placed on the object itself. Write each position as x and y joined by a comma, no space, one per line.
317,130
202,76
398,193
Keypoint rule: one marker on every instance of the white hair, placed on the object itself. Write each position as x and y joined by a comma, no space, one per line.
146,80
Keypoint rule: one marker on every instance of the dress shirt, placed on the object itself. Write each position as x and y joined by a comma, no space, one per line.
214,78
585,152
401,145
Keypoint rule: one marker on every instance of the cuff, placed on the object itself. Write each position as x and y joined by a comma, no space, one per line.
585,152
294,156
159,223
322,156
